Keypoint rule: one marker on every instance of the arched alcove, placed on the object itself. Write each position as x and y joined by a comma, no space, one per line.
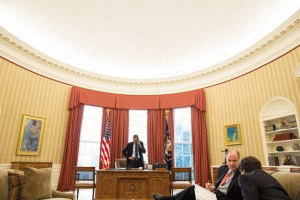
277,107
279,127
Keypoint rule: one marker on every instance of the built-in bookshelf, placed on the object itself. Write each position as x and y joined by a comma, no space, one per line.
280,132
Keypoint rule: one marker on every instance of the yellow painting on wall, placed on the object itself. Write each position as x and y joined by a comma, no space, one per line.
232,134
32,129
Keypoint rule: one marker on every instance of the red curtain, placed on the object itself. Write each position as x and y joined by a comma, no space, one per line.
119,133
177,100
91,97
194,98
200,147
70,157
156,126
119,127
137,101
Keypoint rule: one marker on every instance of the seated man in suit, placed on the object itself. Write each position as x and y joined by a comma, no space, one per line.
133,151
226,187
258,184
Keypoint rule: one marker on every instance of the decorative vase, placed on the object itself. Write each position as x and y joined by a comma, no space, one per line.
279,148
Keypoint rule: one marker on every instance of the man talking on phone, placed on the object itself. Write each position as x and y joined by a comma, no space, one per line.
133,152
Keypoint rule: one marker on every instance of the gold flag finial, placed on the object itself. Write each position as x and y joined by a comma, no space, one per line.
107,111
167,113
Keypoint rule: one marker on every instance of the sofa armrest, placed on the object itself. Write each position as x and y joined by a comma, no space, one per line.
67,195
290,182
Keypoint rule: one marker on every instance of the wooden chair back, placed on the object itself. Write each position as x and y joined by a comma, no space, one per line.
85,178
181,178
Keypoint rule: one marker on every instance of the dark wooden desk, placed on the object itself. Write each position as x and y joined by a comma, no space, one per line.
131,184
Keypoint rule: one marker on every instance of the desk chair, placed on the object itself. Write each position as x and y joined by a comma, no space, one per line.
84,179
121,163
181,178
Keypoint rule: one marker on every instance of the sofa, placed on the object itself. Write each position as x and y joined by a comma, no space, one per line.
290,182
28,185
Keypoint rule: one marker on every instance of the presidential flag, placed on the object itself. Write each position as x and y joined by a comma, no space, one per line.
168,147
105,146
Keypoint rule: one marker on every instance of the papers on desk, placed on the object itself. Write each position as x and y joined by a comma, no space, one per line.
129,169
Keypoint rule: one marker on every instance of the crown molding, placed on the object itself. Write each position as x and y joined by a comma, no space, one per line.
277,43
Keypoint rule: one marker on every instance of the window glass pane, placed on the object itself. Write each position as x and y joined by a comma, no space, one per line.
90,136
183,138
178,149
178,161
91,124
138,126
186,149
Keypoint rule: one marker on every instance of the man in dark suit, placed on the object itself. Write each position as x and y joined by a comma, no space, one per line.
133,151
226,187
258,184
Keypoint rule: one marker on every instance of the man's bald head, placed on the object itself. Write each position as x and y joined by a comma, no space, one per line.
233,158
233,152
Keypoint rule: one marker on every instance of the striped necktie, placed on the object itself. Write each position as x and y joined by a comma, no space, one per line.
224,179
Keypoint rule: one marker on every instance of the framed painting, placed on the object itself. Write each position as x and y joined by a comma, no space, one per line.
232,134
31,134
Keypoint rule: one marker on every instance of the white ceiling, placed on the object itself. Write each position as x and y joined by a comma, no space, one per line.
143,39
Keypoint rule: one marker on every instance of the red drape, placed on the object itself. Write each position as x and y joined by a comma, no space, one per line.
70,157
91,97
200,147
137,101
194,98
119,133
156,126
177,100
119,126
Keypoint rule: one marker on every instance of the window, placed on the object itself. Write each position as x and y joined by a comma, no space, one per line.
138,126
183,138
90,137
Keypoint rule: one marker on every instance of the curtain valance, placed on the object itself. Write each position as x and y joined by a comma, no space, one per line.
194,98
91,97
137,101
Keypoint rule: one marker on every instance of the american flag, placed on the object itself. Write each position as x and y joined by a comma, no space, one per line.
105,146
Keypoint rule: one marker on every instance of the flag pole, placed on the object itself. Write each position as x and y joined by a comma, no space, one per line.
168,143
105,144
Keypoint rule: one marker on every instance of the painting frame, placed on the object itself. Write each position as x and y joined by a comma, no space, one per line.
31,135
233,134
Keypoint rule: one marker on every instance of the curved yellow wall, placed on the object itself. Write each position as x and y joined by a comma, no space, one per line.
241,101
236,101
23,92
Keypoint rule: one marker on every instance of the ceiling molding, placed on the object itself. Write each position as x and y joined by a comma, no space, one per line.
277,43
